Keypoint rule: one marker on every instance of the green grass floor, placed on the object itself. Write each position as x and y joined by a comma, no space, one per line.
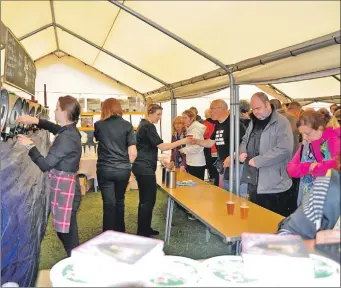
187,236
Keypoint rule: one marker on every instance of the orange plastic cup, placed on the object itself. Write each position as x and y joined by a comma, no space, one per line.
244,211
230,207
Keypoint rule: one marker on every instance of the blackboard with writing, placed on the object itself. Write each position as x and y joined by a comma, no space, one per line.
20,70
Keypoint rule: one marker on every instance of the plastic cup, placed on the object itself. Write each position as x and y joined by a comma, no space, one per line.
230,207
244,211
189,136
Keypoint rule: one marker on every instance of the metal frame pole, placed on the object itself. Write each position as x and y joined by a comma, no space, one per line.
174,107
232,126
237,137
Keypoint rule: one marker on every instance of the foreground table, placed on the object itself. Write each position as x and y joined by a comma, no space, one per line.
208,204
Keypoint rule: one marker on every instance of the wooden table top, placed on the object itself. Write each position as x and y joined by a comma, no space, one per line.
208,202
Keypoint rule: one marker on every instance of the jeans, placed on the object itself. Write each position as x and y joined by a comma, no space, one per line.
70,240
147,198
243,186
113,185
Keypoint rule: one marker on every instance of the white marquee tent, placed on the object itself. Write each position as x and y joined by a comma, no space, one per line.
118,39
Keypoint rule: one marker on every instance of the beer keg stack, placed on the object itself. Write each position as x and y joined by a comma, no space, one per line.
11,107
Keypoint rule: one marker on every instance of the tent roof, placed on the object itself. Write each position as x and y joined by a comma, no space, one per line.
129,50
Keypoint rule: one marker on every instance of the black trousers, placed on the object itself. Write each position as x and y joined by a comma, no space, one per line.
113,185
212,170
147,198
198,172
283,203
70,240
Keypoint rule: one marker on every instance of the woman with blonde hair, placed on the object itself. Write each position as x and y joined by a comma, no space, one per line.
178,160
195,157
331,119
116,152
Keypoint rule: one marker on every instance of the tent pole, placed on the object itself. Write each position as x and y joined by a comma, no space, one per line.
237,137
174,107
232,125
54,24
170,34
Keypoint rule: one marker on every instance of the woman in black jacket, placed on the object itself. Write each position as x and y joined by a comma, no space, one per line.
116,152
62,162
148,143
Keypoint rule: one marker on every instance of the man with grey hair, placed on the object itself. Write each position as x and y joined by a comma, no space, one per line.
220,137
265,150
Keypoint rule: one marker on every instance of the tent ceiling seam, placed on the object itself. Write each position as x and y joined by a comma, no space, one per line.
171,35
111,54
54,23
106,38
335,77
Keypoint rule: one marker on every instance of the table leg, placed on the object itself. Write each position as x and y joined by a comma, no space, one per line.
170,219
208,234
167,218
95,184
238,246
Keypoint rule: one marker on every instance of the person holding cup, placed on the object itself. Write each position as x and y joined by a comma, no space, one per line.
195,156
148,142
178,160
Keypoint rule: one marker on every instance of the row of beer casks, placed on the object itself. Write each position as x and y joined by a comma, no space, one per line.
13,106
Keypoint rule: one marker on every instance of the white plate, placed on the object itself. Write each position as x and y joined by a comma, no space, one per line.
228,271
175,271
63,274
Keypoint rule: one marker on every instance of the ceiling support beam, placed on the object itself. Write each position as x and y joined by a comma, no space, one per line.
54,23
170,34
337,78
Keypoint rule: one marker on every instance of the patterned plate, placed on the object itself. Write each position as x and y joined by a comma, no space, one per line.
229,271
177,271
326,271
63,274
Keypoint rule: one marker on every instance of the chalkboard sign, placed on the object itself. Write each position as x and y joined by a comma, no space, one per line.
20,70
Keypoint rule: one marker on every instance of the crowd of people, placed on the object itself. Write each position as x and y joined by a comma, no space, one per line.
286,155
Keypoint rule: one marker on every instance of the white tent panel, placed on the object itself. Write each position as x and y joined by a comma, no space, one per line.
89,19
276,72
40,44
23,17
233,31
125,73
76,47
311,88
154,51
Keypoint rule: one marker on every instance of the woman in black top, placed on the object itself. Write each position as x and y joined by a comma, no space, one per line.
62,162
116,152
144,167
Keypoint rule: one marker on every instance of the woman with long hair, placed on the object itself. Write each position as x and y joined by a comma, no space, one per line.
195,156
62,163
148,142
317,154
116,152
178,160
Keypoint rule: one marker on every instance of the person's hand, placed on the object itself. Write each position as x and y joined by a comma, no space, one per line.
252,162
23,140
182,169
242,157
170,165
327,236
181,151
193,141
26,119
312,166
227,162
